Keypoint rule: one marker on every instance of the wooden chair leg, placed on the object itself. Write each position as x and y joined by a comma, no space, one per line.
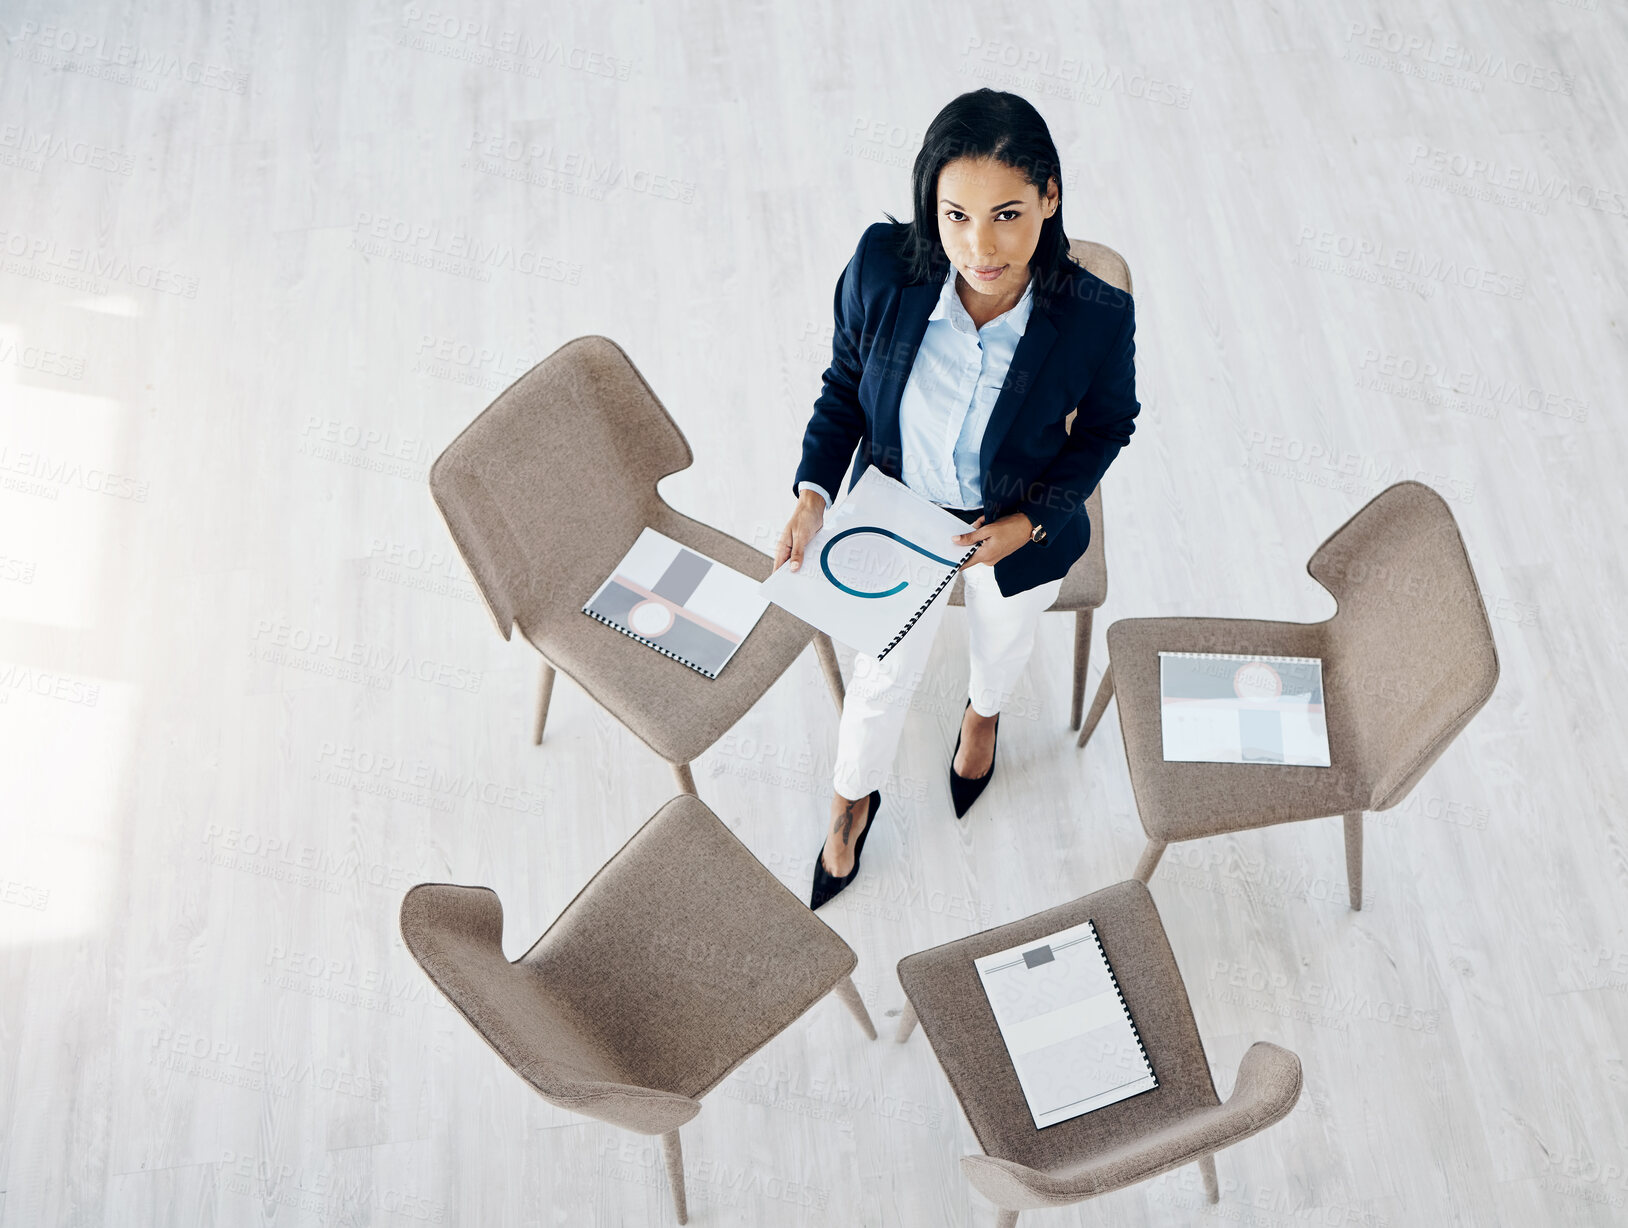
1099,705
673,1153
1005,1218
907,1023
1082,660
545,692
827,653
849,993
1212,1187
1150,860
686,779
1353,857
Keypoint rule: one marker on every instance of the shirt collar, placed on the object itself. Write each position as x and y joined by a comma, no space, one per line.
950,307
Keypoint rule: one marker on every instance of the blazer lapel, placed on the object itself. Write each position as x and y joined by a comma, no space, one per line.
1031,351
915,305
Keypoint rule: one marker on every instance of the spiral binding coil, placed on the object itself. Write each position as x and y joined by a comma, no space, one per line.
1123,1005
917,615
1241,656
634,635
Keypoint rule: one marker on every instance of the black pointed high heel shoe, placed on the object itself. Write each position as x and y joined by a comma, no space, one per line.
964,790
827,884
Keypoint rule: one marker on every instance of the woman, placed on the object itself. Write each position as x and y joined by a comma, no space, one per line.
963,340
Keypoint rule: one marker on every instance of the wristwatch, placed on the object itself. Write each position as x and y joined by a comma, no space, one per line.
1038,533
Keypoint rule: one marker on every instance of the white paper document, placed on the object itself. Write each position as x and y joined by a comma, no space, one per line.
1070,1036
881,558
1225,708
682,604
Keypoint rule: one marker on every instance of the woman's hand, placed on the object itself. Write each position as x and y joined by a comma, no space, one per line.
996,540
806,521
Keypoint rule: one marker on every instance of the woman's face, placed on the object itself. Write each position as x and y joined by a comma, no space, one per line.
989,218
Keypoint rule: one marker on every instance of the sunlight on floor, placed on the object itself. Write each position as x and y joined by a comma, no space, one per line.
67,739
61,492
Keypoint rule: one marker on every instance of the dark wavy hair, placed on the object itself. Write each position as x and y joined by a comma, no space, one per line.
985,123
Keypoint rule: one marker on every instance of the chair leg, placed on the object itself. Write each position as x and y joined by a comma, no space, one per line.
1005,1218
545,692
1099,705
1150,860
1212,1187
827,653
1353,857
907,1022
673,1153
686,779
849,993
1082,659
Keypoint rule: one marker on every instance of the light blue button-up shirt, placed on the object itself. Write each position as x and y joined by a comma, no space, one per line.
951,392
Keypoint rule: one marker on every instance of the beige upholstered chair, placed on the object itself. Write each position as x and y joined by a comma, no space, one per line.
1408,659
1182,1121
545,491
1085,587
681,958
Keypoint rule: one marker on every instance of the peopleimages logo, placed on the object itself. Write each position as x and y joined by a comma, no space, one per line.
27,357
1451,55
258,1069
1364,252
22,678
507,49
1472,384
275,639
453,251
96,55
53,473
363,769
24,144
49,254
1364,472
548,165
1518,179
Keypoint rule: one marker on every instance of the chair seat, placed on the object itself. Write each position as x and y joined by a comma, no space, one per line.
676,962
1184,801
676,711
948,998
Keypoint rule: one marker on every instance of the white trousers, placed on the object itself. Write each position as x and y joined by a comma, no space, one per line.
1000,631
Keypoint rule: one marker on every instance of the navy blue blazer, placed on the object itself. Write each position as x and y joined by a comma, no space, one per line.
1077,352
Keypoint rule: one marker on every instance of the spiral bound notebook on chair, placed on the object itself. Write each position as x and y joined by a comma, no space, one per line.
683,604
1217,707
882,557
1067,1029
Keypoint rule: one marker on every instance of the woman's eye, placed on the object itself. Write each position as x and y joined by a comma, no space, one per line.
1012,212
954,216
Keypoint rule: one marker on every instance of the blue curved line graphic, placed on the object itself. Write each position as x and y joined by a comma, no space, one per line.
825,566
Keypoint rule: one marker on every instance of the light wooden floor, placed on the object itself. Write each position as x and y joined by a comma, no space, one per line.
262,262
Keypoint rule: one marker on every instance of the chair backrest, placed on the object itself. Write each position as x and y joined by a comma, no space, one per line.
1411,648
456,935
1086,585
569,453
1102,261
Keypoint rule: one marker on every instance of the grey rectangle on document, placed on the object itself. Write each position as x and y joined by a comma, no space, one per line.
1260,734
683,574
